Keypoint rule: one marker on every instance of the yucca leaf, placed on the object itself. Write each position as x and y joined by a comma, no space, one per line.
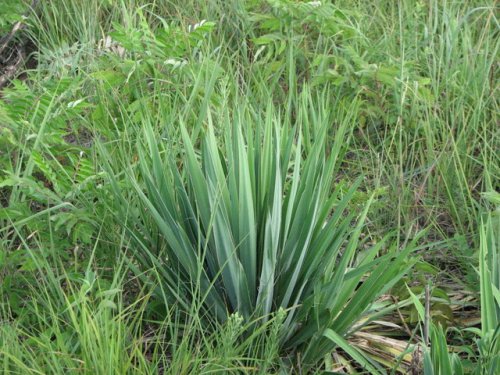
366,363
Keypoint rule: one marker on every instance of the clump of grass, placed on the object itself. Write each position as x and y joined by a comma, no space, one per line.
91,324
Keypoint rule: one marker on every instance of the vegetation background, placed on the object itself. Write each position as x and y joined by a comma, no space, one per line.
262,186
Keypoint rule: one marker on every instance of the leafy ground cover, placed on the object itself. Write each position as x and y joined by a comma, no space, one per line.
265,186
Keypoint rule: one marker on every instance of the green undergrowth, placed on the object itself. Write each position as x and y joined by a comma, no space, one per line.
251,187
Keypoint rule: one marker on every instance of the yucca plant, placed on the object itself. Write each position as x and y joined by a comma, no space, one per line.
253,226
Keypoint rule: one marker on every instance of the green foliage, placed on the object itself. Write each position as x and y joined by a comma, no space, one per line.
301,29
44,167
256,231
288,153
12,11
87,322
437,360
47,182
489,275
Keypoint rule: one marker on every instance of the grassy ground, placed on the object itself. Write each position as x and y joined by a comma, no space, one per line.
249,187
